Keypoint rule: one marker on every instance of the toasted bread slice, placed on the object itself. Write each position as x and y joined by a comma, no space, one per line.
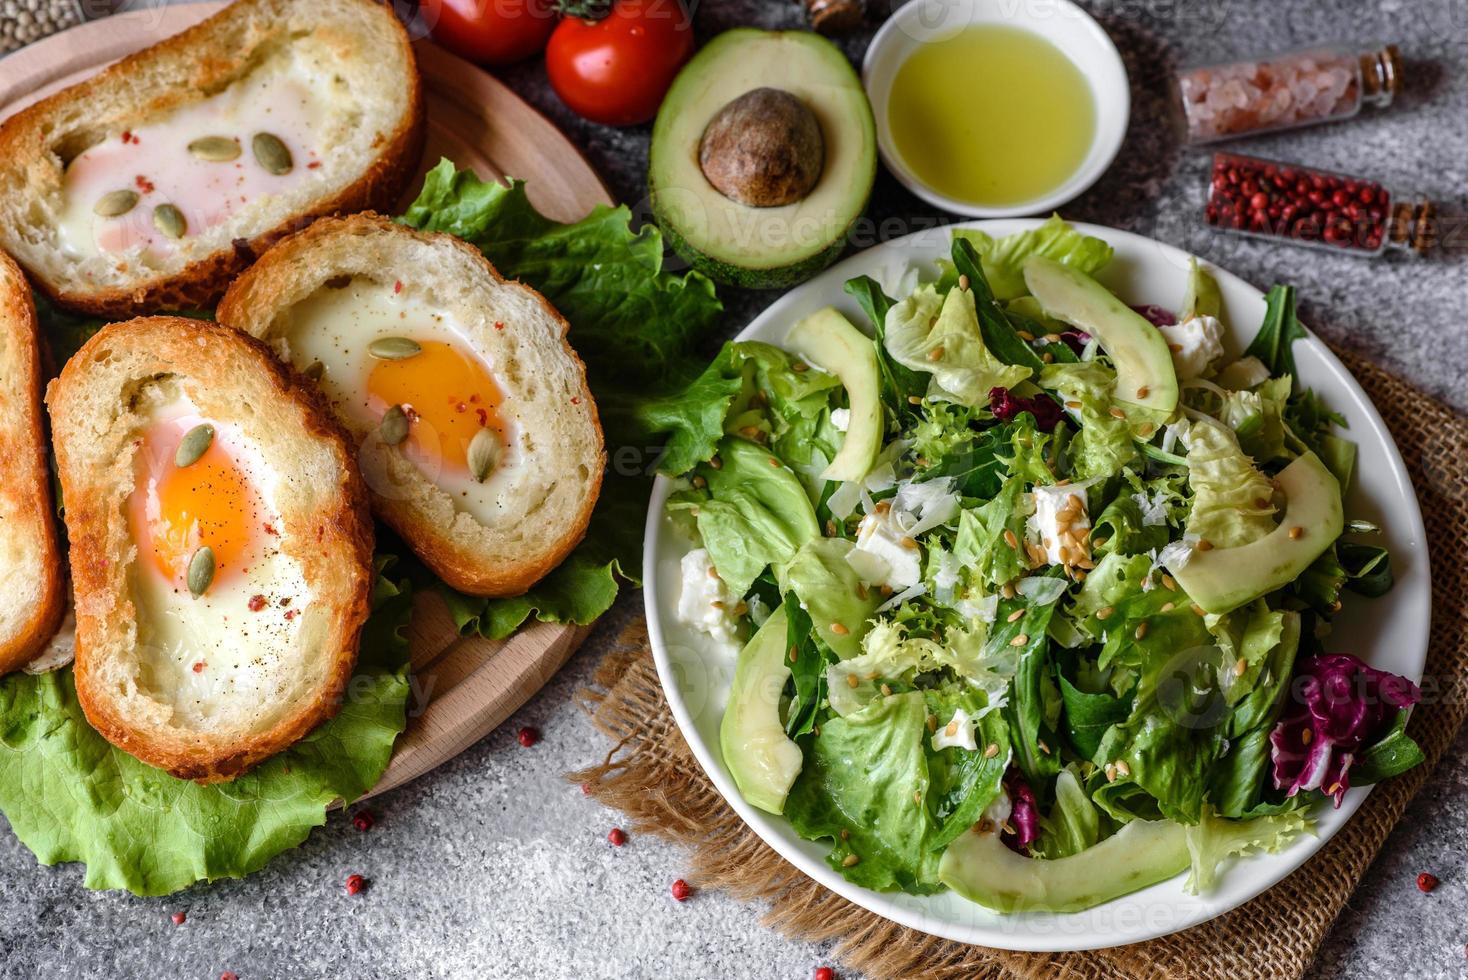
249,125
30,562
205,672
493,356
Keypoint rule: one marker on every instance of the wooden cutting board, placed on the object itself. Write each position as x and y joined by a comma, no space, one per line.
465,686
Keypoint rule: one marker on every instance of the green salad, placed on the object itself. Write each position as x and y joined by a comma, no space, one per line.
1027,592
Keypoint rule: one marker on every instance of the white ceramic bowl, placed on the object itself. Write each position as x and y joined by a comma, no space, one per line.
1389,633
1060,22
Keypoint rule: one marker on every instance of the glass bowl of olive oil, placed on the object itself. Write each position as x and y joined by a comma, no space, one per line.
996,109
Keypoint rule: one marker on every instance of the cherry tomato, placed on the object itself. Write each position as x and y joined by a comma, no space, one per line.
493,32
616,70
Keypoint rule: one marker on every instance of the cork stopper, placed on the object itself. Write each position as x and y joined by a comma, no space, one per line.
835,16
1381,76
1413,225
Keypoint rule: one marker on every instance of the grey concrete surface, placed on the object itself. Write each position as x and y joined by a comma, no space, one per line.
494,867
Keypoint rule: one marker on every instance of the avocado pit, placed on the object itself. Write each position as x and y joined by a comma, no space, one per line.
763,149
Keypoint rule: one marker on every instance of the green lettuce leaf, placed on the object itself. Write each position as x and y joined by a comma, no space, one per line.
981,546
1104,444
940,336
1033,711
1274,343
963,782
1004,258
635,326
1073,823
71,796
1214,839
863,786
1231,499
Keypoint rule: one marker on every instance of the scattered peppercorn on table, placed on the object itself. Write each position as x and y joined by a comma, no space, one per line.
494,865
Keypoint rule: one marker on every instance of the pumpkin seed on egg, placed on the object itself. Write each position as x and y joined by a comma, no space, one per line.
215,149
115,203
394,427
170,220
201,571
193,445
394,348
272,154
484,453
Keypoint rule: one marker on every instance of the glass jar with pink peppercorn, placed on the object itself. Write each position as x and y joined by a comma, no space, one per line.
1298,88
1308,206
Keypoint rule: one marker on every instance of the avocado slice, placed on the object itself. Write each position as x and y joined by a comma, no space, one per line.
740,243
763,762
982,869
1225,578
1144,372
828,340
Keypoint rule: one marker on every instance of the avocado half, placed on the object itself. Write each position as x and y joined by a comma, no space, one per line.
762,247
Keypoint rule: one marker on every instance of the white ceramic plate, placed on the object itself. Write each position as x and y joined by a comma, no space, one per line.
1390,632
1060,22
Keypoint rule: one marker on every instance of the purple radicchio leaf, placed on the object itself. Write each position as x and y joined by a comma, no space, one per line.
1024,814
1005,405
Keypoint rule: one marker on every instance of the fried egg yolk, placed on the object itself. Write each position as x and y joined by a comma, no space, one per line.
448,396
176,510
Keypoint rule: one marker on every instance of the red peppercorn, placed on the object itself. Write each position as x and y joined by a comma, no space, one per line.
617,836
355,884
228,975
825,973
179,918
528,736
585,789
1426,882
681,890
1259,201
364,820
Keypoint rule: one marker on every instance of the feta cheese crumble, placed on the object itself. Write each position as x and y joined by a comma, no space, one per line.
841,418
958,733
705,602
1045,524
885,554
1195,344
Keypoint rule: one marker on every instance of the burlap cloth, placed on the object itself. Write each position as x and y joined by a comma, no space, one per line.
653,778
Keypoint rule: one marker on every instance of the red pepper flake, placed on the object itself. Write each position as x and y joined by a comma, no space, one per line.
199,667
270,529
364,820
355,884
144,184
474,398
314,164
482,416
575,400
1426,882
498,325
257,603
585,789
460,407
617,836
179,918
825,973
291,614
681,890
528,736
397,287
228,975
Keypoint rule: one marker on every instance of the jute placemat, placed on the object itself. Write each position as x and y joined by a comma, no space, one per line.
653,778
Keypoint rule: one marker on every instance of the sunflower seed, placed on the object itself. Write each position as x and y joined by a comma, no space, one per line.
394,427
170,220
272,154
215,149
201,571
315,370
484,451
115,203
193,445
394,348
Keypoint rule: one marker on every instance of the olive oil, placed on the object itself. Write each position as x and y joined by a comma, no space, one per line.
993,115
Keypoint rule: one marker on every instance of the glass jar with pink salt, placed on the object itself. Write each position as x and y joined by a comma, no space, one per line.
1308,206
1283,91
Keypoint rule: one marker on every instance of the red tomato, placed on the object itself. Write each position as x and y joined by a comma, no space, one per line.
616,70
494,32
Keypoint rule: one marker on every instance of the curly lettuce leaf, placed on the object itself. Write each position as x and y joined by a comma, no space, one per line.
1104,444
863,787
1056,239
1231,499
940,336
635,325
1214,839
71,796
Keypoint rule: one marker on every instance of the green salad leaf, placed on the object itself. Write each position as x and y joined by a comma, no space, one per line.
940,336
1274,343
1104,444
1232,501
71,796
1003,259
